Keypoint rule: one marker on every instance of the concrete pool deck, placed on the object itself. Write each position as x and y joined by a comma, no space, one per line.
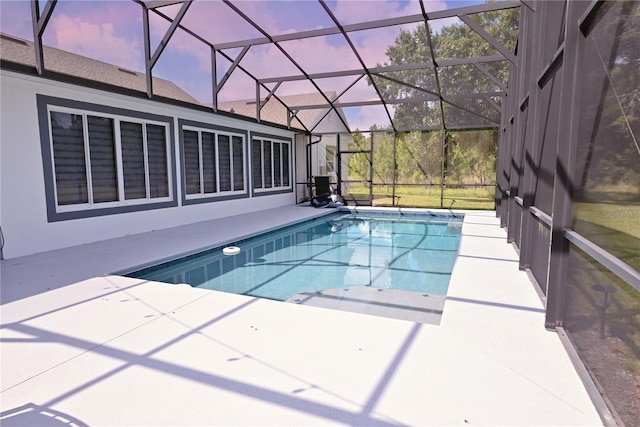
81,346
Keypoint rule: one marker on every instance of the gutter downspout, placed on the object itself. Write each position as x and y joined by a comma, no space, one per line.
308,147
1,243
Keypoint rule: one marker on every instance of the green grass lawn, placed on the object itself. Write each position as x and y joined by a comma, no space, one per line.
610,217
429,197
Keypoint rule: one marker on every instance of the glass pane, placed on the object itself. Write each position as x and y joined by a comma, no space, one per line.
330,156
104,178
191,161
266,158
69,158
276,165
133,161
157,152
285,165
238,163
256,158
224,162
209,162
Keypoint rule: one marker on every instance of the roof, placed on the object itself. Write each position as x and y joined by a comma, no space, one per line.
21,51
275,111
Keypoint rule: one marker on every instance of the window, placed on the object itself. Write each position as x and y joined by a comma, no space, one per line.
107,161
213,162
330,159
270,164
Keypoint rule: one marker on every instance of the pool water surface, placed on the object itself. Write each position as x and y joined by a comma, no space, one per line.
412,252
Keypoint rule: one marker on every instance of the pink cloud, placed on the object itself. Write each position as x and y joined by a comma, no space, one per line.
363,118
328,54
93,34
98,41
350,11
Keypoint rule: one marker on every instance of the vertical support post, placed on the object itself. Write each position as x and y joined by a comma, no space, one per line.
514,176
395,169
565,168
147,51
1,244
151,60
258,105
517,90
532,142
504,146
214,79
339,167
308,161
39,23
371,170
501,164
37,39
443,171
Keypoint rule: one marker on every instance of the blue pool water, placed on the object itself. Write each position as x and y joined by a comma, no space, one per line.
414,252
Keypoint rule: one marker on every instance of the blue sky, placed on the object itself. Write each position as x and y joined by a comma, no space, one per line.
111,31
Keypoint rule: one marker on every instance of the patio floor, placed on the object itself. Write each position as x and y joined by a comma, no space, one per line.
81,346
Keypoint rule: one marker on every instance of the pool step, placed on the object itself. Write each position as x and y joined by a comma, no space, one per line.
394,303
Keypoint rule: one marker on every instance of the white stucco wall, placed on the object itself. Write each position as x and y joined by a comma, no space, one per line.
23,215
331,124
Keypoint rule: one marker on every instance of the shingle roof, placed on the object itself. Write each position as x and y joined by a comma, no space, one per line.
274,111
21,51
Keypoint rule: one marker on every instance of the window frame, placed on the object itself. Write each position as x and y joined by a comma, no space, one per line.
203,197
330,158
56,212
282,140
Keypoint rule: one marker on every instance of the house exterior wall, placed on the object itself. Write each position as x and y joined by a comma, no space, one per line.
331,124
302,189
321,164
26,227
328,128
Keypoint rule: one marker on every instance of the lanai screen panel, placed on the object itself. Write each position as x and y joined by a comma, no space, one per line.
359,57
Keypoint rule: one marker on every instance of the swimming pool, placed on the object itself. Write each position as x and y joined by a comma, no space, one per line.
409,251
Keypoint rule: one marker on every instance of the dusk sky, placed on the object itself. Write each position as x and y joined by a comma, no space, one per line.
111,31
